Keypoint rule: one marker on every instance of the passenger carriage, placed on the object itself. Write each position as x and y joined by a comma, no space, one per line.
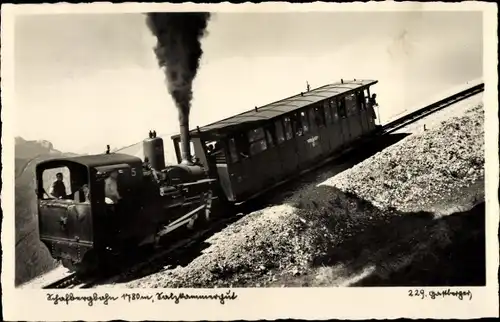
264,147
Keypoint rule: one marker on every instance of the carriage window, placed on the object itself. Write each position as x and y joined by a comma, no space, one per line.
287,122
351,106
279,131
216,150
233,153
303,123
334,105
328,114
366,94
242,146
360,100
312,117
341,108
257,141
255,134
319,116
269,136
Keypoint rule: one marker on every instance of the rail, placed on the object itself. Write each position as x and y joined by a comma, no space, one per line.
432,108
64,282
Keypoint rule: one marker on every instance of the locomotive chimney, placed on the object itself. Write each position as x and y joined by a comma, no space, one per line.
185,139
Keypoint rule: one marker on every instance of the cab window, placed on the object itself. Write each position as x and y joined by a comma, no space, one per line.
64,183
56,183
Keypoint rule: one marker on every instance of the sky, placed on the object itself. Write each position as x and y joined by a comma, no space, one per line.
83,81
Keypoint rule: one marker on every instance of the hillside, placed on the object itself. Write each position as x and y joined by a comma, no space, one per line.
32,258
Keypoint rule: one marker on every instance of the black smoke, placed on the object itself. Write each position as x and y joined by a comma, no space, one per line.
178,51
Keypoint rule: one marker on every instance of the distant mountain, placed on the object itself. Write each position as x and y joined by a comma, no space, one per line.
25,149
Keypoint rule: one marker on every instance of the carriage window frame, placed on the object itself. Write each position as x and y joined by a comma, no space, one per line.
259,141
334,108
366,97
269,134
303,122
361,100
312,117
279,129
233,154
287,126
341,108
319,115
327,112
351,104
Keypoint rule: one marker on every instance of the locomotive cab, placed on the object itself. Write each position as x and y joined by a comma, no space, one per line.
85,216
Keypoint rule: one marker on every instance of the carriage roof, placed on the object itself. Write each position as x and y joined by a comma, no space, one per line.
270,111
93,161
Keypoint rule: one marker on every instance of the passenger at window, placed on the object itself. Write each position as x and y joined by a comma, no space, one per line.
373,101
58,189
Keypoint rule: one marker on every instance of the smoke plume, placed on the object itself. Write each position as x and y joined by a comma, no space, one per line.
178,51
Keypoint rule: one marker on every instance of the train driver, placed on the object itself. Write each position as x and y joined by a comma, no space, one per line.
111,193
58,189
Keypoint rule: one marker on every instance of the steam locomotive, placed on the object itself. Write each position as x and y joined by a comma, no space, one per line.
154,200
116,201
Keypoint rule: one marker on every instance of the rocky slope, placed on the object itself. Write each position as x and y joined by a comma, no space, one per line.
375,218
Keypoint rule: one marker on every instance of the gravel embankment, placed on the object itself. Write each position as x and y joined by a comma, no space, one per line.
366,218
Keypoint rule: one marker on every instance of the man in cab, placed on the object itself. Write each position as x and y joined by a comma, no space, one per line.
58,189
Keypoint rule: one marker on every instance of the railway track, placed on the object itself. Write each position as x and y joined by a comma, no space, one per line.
432,108
72,281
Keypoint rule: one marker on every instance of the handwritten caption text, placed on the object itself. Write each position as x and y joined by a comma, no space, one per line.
106,298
